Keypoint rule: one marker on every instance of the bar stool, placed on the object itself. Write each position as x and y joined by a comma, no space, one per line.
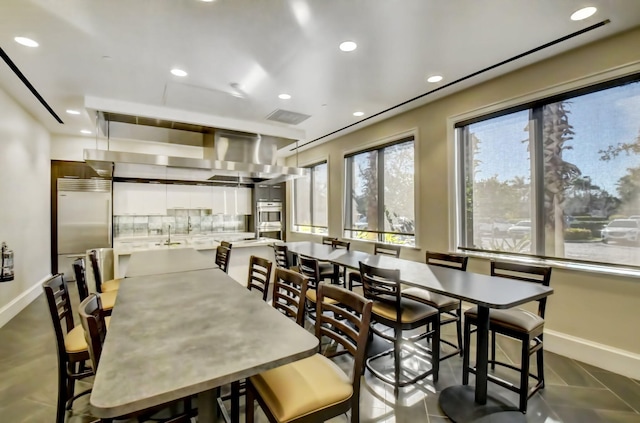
108,298
516,323
102,286
382,286
281,253
379,249
451,307
289,294
223,255
259,275
330,270
71,345
315,389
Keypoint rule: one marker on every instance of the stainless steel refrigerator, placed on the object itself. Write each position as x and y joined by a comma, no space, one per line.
84,219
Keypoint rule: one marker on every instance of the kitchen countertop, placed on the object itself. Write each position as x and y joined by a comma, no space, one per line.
125,246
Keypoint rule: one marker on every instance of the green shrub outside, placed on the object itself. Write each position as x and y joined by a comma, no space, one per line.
577,234
594,226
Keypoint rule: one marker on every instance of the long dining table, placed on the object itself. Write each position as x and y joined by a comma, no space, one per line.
174,335
460,403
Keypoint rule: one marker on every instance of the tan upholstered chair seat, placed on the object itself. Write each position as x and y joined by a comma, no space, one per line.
515,319
112,285
412,311
74,340
358,290
312,296
430,298
108,299
302,387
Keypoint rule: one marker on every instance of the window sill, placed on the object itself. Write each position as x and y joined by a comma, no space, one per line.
367,241
561,264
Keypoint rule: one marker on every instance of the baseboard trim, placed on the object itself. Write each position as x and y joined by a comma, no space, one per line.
609,358
16,305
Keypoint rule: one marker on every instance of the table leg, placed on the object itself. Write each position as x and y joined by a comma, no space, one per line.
464,404
207,406
482,355
235,402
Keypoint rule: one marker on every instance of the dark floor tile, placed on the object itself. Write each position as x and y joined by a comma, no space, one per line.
570,372
625,388
578,415
618,416
438,419
580,397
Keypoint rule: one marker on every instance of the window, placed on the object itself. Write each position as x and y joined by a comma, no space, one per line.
379,191
310,201
557,178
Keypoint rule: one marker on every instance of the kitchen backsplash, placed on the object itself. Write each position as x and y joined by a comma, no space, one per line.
182,222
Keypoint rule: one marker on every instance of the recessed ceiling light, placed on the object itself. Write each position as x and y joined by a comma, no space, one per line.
583,13
86,132
73,112
208,1
434,78
178,72
358,113
284,96
26,41
348,46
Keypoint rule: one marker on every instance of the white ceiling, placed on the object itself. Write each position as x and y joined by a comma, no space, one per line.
119,53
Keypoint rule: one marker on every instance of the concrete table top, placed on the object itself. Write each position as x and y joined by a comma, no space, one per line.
318,251
179,334
156,262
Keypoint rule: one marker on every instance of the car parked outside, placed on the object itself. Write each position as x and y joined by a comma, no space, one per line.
492,226
520,229
622,230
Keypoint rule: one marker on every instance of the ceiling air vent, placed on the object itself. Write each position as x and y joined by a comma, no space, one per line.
288,117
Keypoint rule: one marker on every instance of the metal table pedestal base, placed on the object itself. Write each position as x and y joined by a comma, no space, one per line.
458,403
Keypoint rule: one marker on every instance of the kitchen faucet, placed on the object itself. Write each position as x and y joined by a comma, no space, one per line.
168,242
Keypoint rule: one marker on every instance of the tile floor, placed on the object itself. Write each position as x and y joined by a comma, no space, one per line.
575,392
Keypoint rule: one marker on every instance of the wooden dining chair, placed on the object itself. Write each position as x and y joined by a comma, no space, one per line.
329,270
447,306
328,240
226,244
520,324
94,326
284,393
289,294
108,297
223,255
310,268
259,275
379,249
70,344
281,253
391,310
102,286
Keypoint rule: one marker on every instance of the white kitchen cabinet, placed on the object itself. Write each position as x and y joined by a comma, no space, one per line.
219,205
132,199
200,196
243,201
178,197
230,194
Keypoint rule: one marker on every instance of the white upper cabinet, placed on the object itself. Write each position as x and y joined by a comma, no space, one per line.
219,205
243,201
178,197
200,196
130,199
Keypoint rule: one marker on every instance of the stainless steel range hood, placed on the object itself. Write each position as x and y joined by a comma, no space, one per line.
227,156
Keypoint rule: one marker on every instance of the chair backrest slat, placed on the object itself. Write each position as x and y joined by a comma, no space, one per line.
352,337
95,266
452,261
58,300
310,268
94,325
526,273
386,250
340,244
223,255
327,240
259,275
289,293
80,271
281,253
382,285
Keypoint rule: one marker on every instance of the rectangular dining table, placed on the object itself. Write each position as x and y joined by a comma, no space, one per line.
179,334
460,403
167,260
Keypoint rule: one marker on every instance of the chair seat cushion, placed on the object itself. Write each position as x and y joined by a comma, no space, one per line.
74,341
112,285
326,270
514,319
313,297
108,299
303,387
429,298
412,311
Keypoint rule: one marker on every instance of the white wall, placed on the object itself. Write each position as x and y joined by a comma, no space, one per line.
25,204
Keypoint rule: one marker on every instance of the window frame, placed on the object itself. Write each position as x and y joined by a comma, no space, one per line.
537,99
294,225
379,146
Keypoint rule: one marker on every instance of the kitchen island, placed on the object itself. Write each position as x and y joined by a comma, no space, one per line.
244,245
